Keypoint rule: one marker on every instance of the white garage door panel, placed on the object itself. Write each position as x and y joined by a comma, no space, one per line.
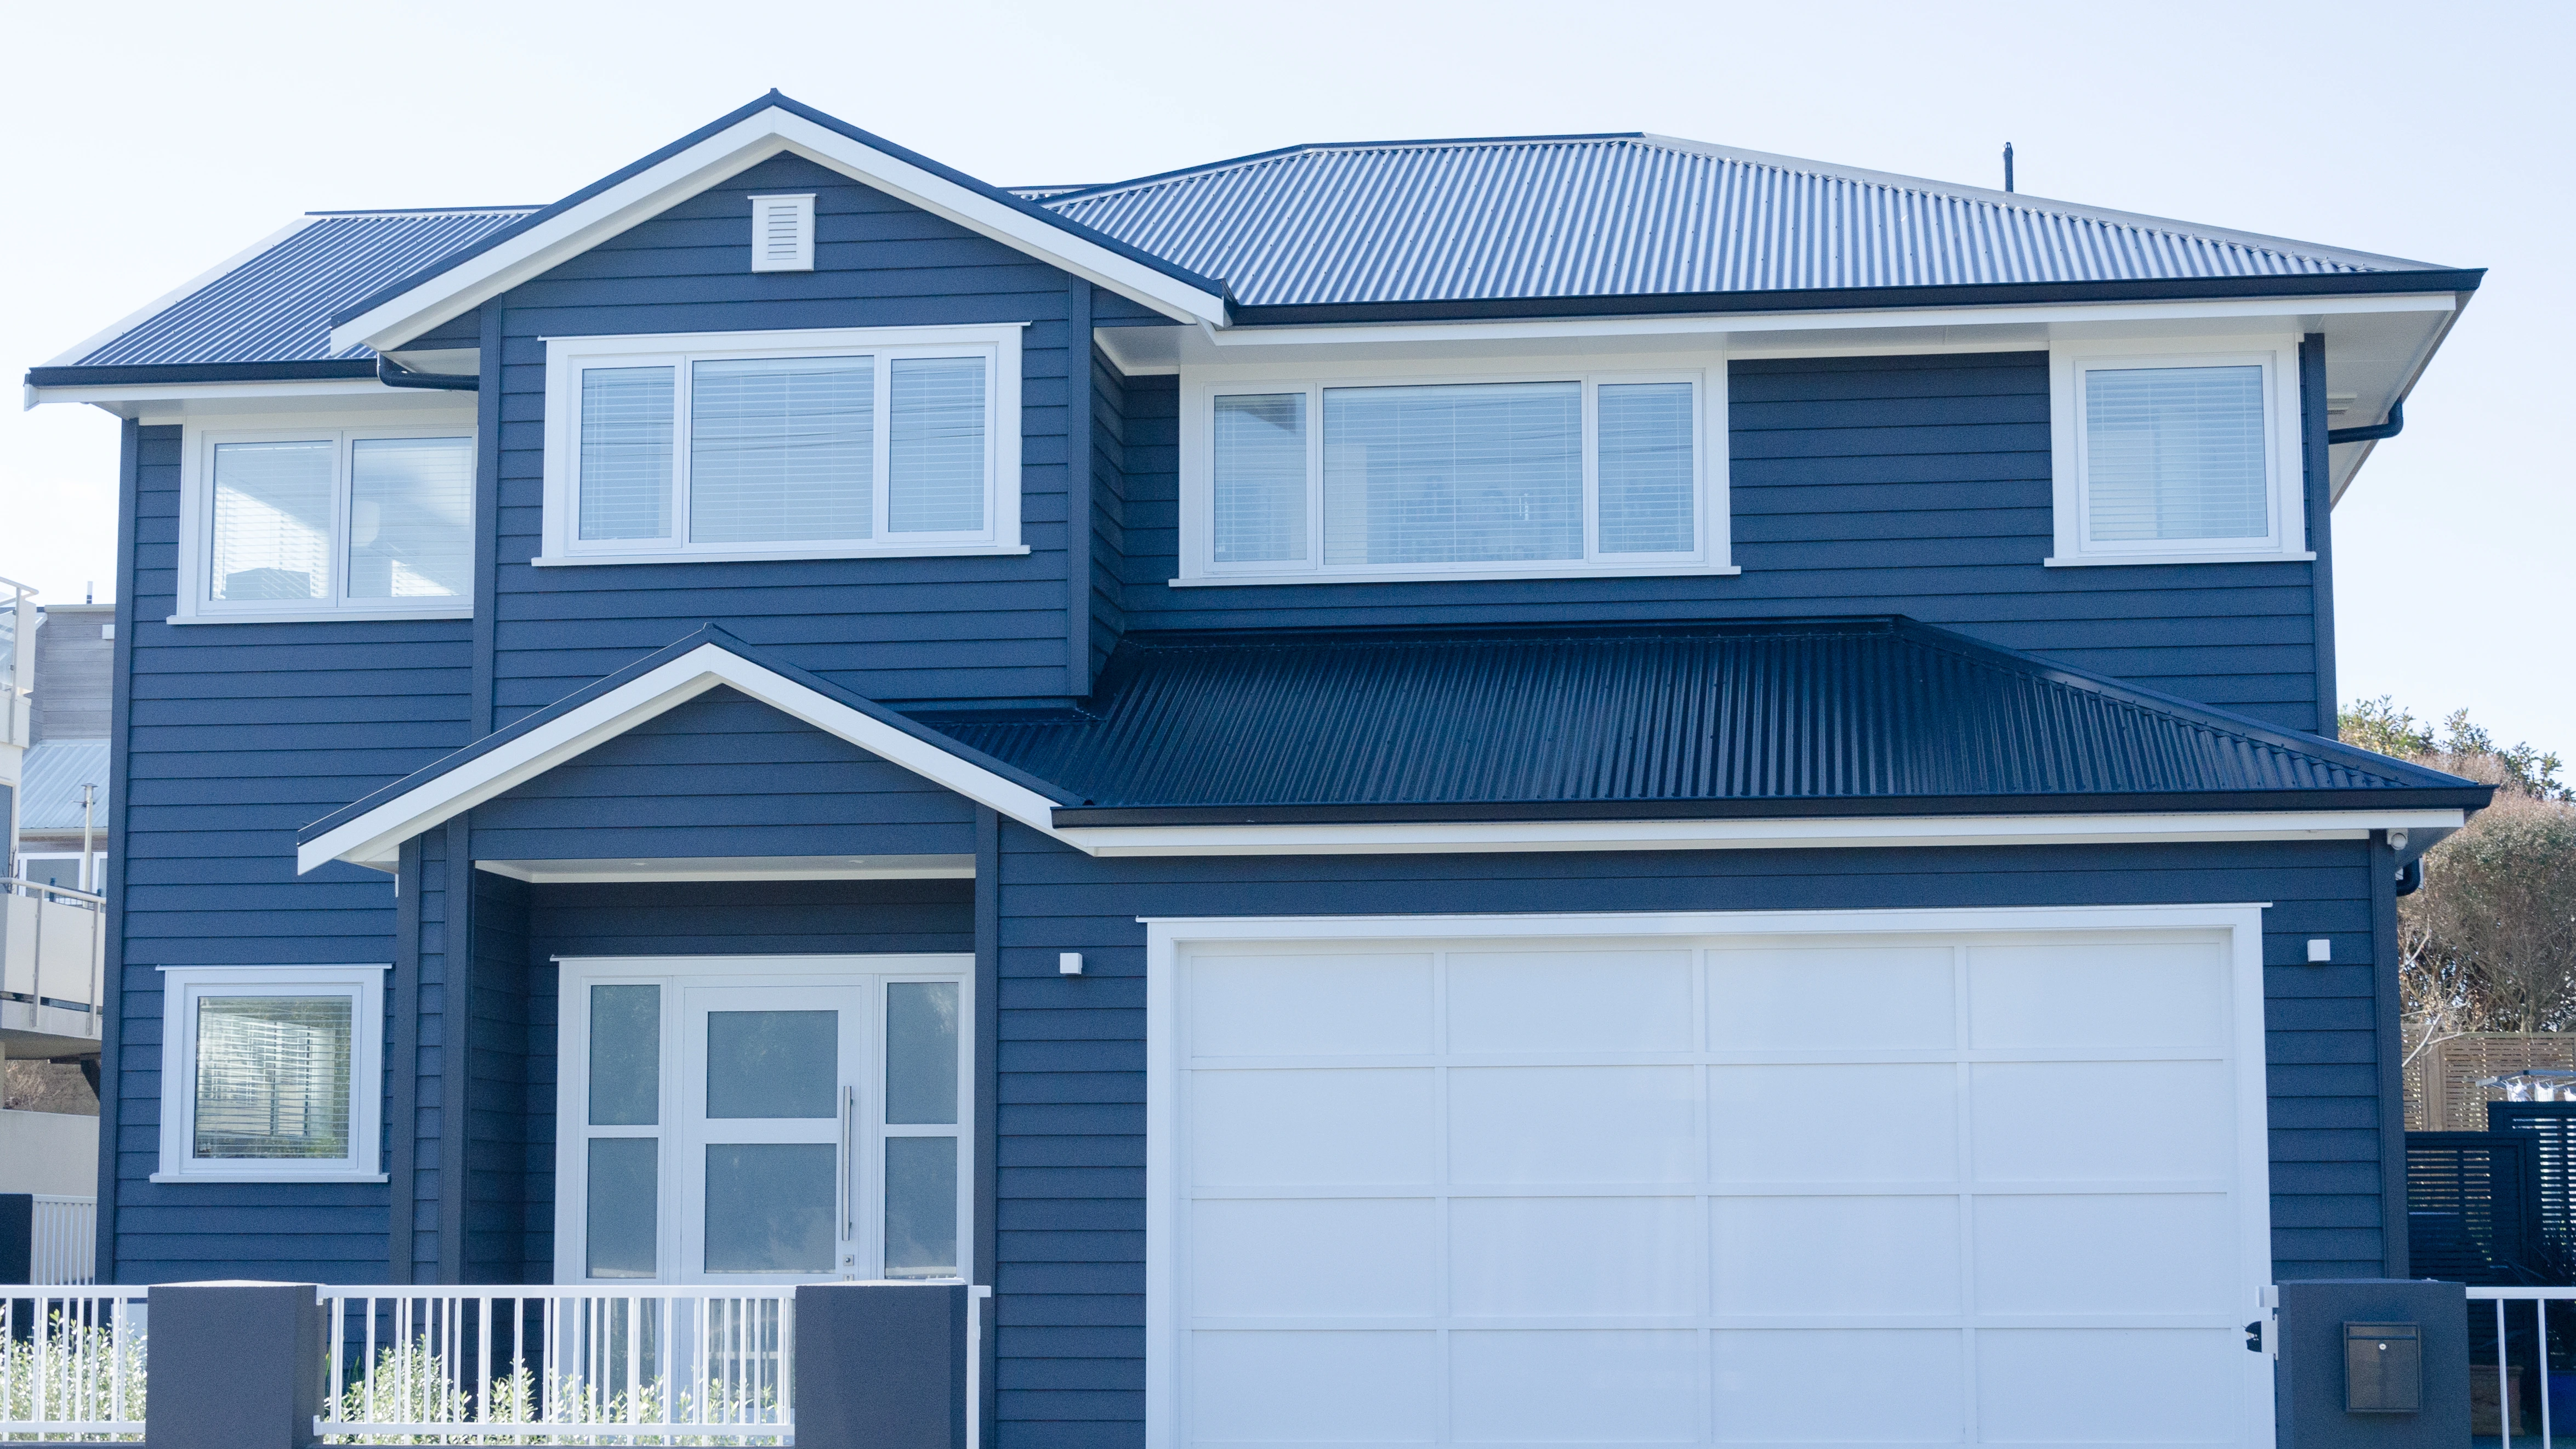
1981,1186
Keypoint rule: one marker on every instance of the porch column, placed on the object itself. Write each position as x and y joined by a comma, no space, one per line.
234,1365
882,1364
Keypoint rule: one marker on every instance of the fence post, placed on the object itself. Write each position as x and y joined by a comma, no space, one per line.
234,1365
2315,1380
880,1365
17,1237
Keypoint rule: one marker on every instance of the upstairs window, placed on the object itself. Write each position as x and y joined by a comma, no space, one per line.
1579,473
2178,456
331,521
782,445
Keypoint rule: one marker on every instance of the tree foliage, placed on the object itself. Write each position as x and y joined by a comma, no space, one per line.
2489,942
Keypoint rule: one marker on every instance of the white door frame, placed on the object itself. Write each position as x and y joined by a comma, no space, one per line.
678,973
2241,923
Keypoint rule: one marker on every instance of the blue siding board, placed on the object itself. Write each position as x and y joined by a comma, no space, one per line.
1914,484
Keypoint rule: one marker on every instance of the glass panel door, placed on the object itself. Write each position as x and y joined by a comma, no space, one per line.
769,1110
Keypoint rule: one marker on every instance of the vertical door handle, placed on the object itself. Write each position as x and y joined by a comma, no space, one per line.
849,1109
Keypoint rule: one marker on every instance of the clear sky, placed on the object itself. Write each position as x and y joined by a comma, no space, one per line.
154,140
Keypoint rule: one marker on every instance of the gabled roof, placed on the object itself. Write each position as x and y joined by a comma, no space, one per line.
1636,215
1867,716
1685,736
734,143
273,303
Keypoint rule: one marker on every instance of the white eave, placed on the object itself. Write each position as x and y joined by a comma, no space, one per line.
768,132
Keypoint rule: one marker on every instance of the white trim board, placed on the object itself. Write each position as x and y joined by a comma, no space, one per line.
738,867
2239,925
769,132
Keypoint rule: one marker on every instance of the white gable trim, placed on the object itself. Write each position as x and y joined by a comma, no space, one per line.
376,837
737,148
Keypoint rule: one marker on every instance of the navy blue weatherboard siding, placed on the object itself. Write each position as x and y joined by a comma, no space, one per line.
1914,485
1070,1278
723,775
889,628
233,737
1853,716
275,305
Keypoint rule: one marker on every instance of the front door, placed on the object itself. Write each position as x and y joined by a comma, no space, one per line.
762,1119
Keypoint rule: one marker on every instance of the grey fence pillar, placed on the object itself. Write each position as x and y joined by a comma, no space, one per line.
234,1366
17,1236
881,1365
2344,1373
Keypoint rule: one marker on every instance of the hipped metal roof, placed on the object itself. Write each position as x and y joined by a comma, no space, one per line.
274,303
1532,221
1635,215
1871,716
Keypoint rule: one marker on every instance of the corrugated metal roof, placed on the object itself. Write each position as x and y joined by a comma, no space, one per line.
49,781
274,303
1619,215
1881,714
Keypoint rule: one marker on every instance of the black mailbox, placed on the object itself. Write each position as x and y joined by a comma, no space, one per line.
2383,1368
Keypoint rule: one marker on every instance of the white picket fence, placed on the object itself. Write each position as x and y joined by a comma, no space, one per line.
71,1363
668,1364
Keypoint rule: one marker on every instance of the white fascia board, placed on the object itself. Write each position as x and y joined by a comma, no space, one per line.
376,837
1486,837
736,149
2025,314
141,399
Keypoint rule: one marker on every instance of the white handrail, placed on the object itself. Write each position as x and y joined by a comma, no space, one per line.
2540,1299
710,1363
72,1363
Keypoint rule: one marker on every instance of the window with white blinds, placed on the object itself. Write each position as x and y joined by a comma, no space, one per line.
1421,479
270,1072
715,447
2176,452
333,521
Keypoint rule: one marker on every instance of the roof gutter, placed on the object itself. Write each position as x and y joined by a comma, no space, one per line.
394,374
1814,299
2396,424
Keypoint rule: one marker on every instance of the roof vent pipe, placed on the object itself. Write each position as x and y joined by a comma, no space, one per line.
2396,424
2008,166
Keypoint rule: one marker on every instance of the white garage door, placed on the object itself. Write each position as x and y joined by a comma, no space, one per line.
1821,1185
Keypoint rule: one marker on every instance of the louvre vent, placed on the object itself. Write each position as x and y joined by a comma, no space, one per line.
782,233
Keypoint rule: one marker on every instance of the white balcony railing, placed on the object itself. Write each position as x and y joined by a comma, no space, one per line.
2500,1404
53,947
65,1246
71,1363
658,1363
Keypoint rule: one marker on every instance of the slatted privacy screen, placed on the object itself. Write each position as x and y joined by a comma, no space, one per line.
2175,453
273,1076
937,458
1471,473
1261,478
2473,1209
626,447
2442,1083
782,449
272,520
2551,1129
411,515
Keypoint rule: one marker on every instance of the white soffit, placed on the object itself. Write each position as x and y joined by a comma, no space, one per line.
737,148
737,867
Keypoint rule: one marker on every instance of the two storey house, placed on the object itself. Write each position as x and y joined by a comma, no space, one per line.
1574,788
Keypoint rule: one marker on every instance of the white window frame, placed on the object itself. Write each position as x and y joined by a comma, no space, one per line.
567,357
1201,386
2284,453
182,987
868,1128
198,441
